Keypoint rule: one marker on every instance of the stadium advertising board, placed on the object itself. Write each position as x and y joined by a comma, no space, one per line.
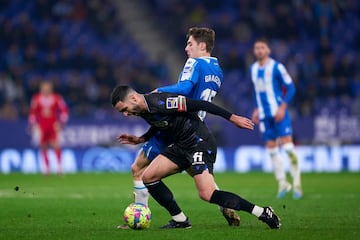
240,159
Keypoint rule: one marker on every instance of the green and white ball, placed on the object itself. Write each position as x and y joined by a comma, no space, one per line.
137,216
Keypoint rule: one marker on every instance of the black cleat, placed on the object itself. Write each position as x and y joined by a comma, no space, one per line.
268,216
174,224
231,217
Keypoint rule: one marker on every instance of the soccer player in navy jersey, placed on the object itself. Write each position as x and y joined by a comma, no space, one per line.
270,78
200,78
192,148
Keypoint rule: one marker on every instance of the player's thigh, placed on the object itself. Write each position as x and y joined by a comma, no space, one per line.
267,129
153,147
46,136
54,140
283,128
159,168
205,185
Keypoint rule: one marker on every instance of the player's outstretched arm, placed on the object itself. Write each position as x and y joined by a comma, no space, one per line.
239,121
133,140
130,139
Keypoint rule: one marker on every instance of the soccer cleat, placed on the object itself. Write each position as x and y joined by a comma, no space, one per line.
174,224
283,190
297,193
268,216
123,226
231,217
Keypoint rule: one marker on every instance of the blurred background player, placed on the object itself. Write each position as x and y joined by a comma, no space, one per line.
48,113
200,78
274,90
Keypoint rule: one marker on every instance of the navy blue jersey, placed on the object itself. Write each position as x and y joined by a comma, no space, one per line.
167,113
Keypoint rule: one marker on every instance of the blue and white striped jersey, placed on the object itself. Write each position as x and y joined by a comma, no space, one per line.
200,78
273,85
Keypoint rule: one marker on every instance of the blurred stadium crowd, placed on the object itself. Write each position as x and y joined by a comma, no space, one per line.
79,45
82,46
318,41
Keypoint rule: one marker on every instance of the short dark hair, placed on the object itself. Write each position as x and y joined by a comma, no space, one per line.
263,40
203,34
119,93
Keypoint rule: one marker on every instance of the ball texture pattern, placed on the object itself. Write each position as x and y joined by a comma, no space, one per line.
137,216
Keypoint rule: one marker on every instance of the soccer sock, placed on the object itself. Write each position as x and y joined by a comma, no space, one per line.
231,200
141,192
58,158
257,211
46,160
294,164
162,194
278,165
179,217
217,188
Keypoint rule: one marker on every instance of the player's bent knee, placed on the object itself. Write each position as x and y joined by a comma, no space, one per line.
205,195
137,170
148,177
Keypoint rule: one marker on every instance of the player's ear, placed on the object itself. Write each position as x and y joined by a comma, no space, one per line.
132,97
203,46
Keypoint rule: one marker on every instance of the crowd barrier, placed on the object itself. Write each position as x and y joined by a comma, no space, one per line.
240,159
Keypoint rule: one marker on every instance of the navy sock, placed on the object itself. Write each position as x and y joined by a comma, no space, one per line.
162,194
231,200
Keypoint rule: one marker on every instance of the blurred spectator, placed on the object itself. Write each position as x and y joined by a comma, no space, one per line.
317,40
79,45
313,38
8,111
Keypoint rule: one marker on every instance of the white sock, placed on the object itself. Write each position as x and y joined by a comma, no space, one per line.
257,211
179,217
278,165
141,193
294,164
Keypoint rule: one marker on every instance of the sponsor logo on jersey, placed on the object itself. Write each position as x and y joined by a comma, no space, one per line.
182,104
176,102
187,69
171,102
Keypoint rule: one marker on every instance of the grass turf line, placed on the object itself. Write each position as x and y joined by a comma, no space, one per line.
89,206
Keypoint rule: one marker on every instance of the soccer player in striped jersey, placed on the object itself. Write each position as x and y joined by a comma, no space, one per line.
200,79
274,90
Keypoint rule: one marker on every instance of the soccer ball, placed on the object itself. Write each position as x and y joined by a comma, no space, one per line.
137,216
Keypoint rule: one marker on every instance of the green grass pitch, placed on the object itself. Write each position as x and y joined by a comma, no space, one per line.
89,206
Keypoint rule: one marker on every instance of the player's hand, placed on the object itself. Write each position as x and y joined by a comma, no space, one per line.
130,139
280,113
57,126
242,122
255,116
33,129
